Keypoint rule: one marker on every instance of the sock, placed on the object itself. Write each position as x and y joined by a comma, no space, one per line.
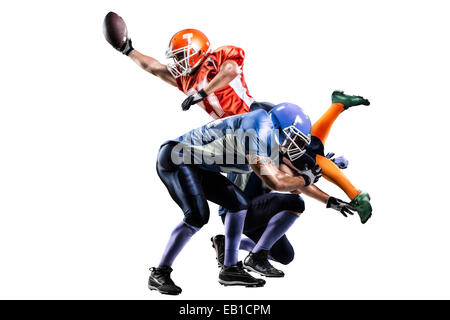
247,244
277,226
178,239
335,175
234,225
321,128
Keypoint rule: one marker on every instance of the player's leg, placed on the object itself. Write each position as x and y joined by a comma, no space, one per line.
359,200
223,192
282,251
278,212
321,128
332,173
261,211
340,102
184,186
247,244
320,131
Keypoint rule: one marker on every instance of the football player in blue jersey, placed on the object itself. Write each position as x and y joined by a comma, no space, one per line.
191,166
268,208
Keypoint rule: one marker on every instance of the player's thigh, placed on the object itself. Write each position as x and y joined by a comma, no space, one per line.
184,186
223,192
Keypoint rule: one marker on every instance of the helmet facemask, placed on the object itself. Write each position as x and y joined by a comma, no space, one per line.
294,143
181,65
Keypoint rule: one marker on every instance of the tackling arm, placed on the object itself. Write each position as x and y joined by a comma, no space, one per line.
315,193
330,202
273,177
311,190
152,66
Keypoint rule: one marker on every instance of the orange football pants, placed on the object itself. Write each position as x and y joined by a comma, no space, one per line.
330,171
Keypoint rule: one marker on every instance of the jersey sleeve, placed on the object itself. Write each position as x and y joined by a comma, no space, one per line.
230,53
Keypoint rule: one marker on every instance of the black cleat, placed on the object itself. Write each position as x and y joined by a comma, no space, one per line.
237,276
258,262
160,280
218,243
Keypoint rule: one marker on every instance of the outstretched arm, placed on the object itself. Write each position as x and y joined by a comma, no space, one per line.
152,66
316,193
331,202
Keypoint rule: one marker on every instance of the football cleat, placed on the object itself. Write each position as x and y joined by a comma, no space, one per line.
259,263
237,276
218,243
362,205
160,280
347,100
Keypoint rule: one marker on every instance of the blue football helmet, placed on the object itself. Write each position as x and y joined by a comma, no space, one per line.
295,129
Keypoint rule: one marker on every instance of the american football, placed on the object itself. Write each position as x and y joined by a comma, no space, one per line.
115,30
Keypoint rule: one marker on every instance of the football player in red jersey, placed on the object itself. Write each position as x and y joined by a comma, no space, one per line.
211,79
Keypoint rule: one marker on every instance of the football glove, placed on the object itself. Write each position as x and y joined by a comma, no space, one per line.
311,176
341,206
127,47
193,99
341,161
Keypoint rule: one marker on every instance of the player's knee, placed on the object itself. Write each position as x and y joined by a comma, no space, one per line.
289,202
284,256
196,220
297,205
199,216
287,258
240,201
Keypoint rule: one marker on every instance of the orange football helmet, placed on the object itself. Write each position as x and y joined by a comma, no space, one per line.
187,48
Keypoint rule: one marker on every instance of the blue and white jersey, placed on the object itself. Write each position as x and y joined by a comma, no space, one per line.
222,145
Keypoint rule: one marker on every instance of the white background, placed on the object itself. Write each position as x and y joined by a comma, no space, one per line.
83,213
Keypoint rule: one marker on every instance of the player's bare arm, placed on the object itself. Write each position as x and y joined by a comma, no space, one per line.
315,192
116,33
272,176
311,191
152,66
228,71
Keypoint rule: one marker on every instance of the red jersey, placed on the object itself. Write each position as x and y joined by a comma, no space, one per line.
233,99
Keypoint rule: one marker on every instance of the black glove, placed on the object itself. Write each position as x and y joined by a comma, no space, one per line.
127,47
311,176
193,99
341,206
